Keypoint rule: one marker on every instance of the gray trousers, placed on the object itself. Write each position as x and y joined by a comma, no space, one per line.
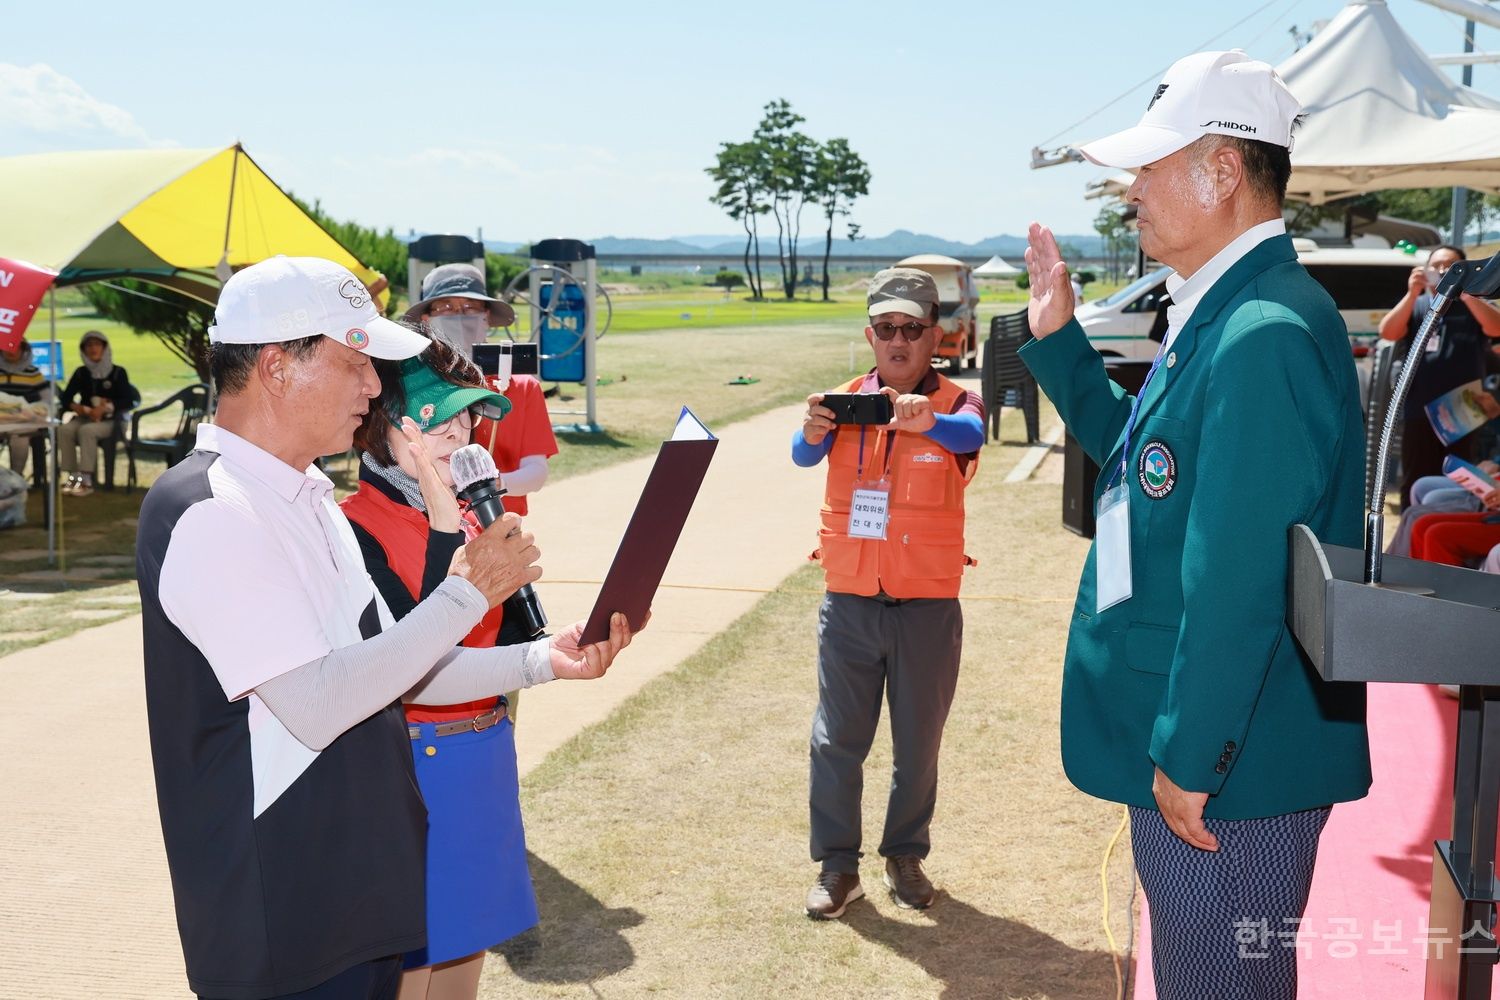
82,436
906,653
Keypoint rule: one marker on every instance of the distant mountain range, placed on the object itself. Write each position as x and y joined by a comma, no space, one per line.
895,245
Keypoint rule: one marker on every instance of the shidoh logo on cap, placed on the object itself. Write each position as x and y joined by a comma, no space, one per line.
426,413
356,294
357,338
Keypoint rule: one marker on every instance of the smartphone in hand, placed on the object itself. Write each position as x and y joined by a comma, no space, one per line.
859,407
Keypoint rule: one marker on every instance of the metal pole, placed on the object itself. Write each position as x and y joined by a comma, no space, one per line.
1461,194
590,365
52,418
234,173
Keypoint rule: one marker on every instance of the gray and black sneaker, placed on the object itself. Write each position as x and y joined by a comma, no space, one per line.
910,888
831,895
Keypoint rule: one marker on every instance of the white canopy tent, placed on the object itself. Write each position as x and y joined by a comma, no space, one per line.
1381,115
995,268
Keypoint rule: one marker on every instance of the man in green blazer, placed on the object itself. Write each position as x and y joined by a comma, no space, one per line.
1184,694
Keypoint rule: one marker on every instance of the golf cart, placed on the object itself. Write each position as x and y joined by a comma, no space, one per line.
958,308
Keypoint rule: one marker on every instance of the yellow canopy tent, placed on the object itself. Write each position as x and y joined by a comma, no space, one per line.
181,218
184,219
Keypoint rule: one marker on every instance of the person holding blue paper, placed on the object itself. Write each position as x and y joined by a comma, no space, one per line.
1184,694
892,549
1458,352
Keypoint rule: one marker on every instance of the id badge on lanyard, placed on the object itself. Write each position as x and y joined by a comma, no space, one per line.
1112,548
870,506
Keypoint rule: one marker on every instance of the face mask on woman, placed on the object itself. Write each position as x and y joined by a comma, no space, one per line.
460,332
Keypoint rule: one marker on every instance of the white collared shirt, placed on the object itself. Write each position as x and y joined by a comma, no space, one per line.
1186,293
263,576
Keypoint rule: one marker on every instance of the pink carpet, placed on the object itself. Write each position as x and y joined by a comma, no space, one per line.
1365,928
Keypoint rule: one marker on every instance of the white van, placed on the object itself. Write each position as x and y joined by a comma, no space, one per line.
1364,283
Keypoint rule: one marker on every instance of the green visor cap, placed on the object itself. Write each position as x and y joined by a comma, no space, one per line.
432,399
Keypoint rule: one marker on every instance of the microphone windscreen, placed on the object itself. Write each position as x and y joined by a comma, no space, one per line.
472,464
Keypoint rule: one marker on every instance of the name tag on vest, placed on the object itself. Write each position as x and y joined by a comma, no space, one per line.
869,511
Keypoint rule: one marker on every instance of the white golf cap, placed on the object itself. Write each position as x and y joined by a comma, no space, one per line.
1223,93
287,298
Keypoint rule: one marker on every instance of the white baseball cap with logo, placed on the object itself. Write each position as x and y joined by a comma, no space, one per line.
287,298
1209,93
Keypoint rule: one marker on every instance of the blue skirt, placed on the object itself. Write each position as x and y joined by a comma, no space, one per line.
478,887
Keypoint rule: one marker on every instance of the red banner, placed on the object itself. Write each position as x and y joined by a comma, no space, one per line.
21,289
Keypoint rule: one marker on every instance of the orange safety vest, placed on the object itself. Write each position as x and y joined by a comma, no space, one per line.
402,532
922,554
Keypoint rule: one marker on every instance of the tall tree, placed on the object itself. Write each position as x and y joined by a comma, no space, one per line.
789,161
739,193
839,176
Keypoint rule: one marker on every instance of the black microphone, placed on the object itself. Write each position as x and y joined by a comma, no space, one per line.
477,481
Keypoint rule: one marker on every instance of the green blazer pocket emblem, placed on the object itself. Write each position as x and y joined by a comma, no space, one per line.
1158,470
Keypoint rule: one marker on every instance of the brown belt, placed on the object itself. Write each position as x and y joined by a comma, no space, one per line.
478,724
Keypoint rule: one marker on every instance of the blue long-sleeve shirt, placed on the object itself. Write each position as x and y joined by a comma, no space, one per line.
959,433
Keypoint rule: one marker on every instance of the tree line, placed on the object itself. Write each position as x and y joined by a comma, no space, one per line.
779,171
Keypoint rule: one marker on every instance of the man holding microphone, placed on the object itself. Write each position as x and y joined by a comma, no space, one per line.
1184,695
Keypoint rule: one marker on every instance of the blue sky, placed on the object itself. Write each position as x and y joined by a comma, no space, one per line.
590,119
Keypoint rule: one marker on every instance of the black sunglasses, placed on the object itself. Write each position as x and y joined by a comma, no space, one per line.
910,331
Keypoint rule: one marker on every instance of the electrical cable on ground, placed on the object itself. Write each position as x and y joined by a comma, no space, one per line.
1109,934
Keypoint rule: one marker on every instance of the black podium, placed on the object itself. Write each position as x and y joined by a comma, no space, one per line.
1354,631
1362,616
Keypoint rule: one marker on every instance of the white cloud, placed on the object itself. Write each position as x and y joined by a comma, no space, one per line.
464,159
573,151
39,103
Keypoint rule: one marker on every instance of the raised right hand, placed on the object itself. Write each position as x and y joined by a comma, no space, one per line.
818,423
498,562
1050,305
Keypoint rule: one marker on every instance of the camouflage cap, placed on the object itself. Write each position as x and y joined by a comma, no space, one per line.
903,290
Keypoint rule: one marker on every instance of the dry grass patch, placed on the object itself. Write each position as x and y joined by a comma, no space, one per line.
670,842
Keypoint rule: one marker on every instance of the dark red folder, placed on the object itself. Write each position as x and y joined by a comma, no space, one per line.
651,535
